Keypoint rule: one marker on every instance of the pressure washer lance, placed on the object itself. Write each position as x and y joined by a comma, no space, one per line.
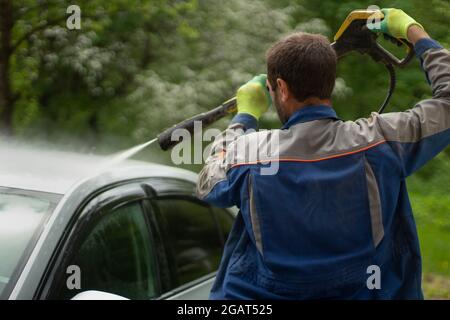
353,35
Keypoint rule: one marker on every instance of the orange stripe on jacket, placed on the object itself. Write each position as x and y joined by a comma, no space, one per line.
311,160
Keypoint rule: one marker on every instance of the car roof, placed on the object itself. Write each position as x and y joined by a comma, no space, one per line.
55,171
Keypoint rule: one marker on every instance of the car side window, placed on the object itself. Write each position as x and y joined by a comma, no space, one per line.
225,221
192,239
117,256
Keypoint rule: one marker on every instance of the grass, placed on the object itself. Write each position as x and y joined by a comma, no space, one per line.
436,287
430,199
433,223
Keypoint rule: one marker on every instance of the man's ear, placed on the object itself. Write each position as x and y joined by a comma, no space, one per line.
284,90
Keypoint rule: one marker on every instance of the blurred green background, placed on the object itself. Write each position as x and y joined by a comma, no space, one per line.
136,67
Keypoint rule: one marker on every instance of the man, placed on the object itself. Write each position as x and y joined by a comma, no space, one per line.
334,220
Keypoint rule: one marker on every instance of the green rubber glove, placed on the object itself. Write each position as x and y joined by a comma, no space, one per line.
253,98
396,23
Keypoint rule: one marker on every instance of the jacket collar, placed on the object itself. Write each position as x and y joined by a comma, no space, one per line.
310,113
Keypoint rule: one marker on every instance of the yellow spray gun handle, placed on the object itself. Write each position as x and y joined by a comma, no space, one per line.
355,35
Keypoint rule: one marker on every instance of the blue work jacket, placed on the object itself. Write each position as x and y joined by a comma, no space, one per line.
324,208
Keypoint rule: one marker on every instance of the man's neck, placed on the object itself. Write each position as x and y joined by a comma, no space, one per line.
295,105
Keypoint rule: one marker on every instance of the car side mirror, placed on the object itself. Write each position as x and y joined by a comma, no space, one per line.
97,295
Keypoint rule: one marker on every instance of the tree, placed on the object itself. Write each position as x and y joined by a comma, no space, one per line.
6,48
43,63
12,17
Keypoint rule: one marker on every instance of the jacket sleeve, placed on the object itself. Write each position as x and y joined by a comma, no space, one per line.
419,134
218,184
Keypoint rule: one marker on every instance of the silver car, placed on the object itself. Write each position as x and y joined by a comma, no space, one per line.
73,226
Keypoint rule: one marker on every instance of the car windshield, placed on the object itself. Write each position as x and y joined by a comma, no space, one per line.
22,213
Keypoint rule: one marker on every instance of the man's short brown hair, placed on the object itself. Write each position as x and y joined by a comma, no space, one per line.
306,62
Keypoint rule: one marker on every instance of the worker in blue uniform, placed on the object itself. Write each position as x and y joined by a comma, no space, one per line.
323,200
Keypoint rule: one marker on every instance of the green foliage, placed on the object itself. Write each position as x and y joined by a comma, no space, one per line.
156,62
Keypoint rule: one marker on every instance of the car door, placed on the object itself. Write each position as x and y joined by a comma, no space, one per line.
111,248
117,245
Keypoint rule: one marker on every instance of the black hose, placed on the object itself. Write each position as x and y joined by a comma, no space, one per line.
392,83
